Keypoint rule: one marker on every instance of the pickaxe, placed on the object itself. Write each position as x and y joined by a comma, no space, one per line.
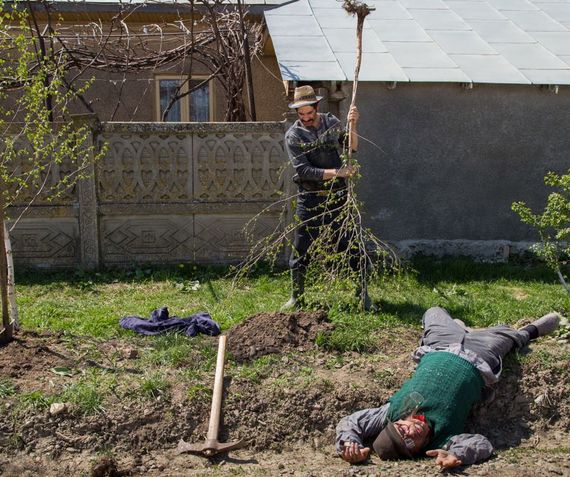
212,446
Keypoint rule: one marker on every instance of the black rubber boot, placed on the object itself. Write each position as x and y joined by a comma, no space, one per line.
366,303
297,290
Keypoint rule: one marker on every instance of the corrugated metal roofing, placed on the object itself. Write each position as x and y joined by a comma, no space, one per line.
478,41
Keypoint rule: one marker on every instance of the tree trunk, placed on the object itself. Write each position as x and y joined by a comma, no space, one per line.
562,280
7,331
361,14
11,280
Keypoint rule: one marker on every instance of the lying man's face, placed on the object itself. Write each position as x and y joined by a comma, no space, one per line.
414,432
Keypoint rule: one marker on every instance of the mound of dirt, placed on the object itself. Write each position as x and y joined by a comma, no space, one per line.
267,333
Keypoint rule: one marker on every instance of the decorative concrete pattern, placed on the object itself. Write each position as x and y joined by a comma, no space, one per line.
46,242
88,227
47,180
150,239
238,167
164,193
183,193
145,168
221,238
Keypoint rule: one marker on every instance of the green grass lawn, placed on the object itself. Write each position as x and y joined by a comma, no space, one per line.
480,294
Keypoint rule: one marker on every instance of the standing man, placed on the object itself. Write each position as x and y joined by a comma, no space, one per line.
313,143
427,415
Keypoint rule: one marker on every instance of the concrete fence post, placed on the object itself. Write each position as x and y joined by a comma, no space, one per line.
88,213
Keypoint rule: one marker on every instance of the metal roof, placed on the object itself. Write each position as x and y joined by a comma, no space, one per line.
467,41
168,2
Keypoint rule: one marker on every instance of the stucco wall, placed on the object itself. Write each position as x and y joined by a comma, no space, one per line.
270,100
132,97
446,162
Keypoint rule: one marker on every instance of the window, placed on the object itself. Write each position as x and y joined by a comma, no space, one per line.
196,106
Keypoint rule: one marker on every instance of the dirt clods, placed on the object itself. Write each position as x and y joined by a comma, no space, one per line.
107,467
267,333
285,408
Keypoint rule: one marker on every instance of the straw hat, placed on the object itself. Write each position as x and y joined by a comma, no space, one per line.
304,96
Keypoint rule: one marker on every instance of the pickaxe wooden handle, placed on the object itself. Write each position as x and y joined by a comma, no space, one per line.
212,446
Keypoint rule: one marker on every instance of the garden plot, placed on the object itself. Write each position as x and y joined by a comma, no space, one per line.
123,408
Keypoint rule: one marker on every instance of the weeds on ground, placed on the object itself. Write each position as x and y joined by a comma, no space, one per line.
87,394
35,400
258,370
514,453
7,388
171,349
198,392
154,385
546,358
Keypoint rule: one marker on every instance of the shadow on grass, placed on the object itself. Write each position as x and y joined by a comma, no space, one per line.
428,270
405,313
411,313
139,273
431,271
126,274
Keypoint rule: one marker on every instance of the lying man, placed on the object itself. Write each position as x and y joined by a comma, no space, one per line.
428,414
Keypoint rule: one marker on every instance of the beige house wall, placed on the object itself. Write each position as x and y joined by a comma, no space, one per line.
132,96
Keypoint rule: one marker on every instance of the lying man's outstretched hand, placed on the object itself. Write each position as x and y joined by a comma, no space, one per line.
353,453
445,460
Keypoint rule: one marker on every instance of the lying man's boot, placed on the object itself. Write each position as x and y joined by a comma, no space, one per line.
545,325
297,290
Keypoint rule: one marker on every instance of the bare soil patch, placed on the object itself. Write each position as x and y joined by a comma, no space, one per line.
26,359
287,412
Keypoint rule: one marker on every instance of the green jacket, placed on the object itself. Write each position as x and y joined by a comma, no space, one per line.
449,386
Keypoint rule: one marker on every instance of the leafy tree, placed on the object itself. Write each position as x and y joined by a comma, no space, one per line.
42,151
552,225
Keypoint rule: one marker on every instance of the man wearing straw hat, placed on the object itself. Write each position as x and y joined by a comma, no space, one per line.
428,414
313,143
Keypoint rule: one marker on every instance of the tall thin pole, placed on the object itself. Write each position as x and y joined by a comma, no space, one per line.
361,10
214,424
11,280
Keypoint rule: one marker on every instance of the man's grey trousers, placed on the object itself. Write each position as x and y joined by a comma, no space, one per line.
490,344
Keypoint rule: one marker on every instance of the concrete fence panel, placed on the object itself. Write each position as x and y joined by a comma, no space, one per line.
163,193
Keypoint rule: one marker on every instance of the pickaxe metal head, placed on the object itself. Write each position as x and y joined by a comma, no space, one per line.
209,448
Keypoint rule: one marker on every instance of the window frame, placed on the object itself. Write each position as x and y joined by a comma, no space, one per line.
184,105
